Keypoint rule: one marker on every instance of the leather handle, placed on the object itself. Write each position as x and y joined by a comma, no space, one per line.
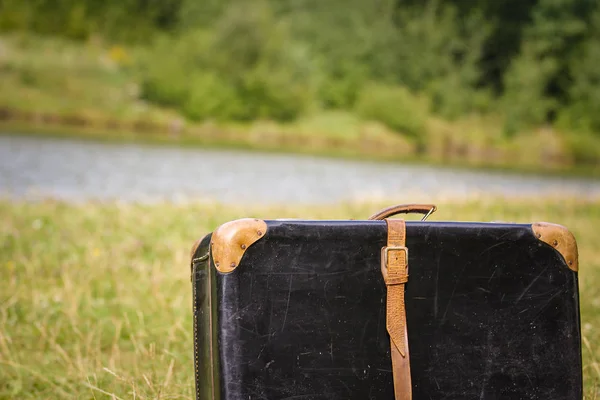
426,209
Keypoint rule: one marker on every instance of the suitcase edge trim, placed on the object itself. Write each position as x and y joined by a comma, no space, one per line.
207,311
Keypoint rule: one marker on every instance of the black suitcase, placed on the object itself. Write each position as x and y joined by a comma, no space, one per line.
295,309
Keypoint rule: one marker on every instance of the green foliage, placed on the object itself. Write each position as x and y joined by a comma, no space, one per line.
268,59
536,82
247,68
584,148
395,107
210,97
349,47
79,19
524,102
583,112
274,74
438,53
340,88
167,68
454,90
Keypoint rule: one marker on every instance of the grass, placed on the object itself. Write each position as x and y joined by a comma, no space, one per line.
62,78
95,298
53,86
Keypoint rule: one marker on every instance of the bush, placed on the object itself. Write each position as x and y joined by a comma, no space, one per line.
273,74
340,90
210,97
583,114
452,99
272,93
167,67
396,107
165,86
584,148
247,68
524,101
439,53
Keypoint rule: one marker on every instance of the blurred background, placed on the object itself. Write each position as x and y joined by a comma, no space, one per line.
130,128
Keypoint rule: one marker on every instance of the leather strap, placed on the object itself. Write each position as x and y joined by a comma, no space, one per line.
394,268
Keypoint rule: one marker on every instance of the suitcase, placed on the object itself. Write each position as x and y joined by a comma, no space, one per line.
386,309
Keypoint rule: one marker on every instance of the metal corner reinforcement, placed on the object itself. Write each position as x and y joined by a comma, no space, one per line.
561,239
231,240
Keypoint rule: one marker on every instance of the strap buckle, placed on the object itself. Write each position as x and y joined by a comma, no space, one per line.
385,251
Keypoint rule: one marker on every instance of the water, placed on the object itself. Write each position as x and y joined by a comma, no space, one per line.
78,170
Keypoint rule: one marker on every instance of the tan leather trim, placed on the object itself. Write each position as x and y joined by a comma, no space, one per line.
394,268
561,239
231,240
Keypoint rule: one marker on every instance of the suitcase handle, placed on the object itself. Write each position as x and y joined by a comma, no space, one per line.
426,209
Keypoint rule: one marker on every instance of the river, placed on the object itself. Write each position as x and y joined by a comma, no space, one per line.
75,170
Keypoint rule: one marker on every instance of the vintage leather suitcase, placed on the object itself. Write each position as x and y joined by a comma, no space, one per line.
386,309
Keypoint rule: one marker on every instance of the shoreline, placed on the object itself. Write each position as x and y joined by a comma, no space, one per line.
252,138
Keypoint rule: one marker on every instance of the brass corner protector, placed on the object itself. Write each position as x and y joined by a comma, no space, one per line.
231,240
561,239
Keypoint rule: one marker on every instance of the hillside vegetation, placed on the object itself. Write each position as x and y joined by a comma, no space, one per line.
454,80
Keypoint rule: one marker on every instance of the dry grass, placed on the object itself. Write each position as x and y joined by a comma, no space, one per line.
95,299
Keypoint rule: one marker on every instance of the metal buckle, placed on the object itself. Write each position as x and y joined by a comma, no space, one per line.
427,215
385,255
386,251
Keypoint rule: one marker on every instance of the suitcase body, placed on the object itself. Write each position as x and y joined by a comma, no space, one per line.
492,312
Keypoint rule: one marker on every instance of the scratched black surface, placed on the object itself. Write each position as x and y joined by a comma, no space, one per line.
492,314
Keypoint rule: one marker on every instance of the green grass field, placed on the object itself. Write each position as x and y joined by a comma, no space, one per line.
95,299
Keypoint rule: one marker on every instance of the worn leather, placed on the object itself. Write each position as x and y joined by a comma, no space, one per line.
403,209
395,273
